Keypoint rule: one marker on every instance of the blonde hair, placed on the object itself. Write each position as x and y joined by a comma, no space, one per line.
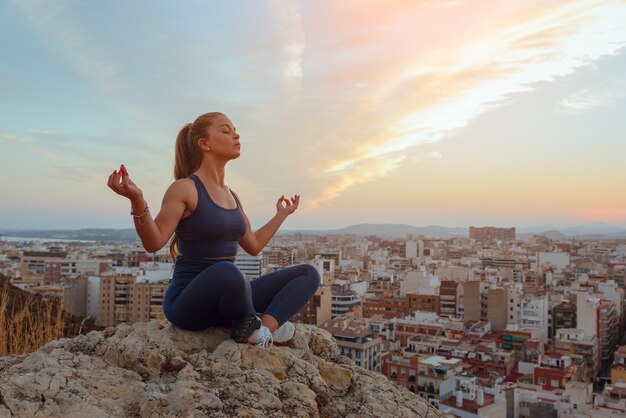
188,157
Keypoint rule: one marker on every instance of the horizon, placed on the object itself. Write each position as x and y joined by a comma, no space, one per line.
451,112
544,228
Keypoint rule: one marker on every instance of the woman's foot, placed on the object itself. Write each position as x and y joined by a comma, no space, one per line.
245,327
261,336
284,333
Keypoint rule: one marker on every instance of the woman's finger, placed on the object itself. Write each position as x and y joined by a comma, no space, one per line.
110,180
125,182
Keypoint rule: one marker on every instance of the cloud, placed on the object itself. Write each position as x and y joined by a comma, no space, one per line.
360,173
31,146
288,25
587,99
428,93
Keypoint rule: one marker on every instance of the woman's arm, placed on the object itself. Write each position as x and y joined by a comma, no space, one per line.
154,233
254,242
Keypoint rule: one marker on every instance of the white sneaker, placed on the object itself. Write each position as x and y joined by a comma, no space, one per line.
261,336
284,333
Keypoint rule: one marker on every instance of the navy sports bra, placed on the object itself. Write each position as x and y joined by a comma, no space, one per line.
211,231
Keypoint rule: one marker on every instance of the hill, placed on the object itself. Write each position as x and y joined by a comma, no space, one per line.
28,321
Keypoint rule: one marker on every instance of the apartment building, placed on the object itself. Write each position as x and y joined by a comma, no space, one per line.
490,233
122,299
343,300
448,298
356,341
317,309
387,303
581,347
402,370
618,368
426,302
436,377
470,400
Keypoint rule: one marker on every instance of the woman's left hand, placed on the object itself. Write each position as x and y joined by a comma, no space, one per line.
289,206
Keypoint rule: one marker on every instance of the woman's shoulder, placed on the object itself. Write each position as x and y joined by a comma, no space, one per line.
181,187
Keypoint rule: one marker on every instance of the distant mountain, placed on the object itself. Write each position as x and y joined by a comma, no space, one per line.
593,231
389,231
590,231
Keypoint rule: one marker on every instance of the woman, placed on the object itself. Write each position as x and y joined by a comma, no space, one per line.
209,223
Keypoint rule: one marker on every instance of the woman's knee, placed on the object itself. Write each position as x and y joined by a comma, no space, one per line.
312,276
229,276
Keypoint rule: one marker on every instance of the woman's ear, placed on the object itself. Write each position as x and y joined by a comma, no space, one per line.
203,144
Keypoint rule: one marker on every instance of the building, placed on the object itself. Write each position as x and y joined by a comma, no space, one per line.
581,347
514,337
474,301
563,316
497,306
436,378
249,265
56,270
552,371
33,264
427,302
356,341
490,233
388,304
122,299
472,401
343,300
318,307
608,330
534,314
402,370
423,323
447,298
618,368
556,261
410,250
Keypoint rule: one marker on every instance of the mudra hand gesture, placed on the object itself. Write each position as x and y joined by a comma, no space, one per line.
289,207
120,183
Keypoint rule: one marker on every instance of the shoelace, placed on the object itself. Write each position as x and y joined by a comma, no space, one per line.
266,337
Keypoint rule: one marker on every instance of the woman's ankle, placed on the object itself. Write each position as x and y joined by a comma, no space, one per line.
270,322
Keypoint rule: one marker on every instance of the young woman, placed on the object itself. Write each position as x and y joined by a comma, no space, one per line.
209,223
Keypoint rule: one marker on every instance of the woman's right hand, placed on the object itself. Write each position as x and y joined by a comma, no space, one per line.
120,183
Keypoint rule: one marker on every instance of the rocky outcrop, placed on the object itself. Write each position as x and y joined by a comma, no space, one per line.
156,370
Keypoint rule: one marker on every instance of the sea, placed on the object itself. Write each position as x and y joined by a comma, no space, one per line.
33,239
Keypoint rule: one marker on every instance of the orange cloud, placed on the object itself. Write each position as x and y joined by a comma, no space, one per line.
415,94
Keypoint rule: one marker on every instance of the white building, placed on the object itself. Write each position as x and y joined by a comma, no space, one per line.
587,312
472,401
535,315
250,265
418,281
93,296
410,249
557,260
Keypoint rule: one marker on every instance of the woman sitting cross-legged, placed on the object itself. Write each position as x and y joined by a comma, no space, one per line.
208,224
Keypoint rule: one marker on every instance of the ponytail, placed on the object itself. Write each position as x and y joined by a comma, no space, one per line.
187,156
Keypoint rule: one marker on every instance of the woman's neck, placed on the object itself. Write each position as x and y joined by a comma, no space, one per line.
213,172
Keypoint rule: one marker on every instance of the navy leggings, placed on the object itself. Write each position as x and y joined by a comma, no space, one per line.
204,294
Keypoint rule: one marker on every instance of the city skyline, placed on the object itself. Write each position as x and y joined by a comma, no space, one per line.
428,113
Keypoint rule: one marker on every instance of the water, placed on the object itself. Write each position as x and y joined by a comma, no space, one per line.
33,239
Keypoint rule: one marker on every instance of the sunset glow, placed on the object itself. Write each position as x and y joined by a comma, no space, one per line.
427,112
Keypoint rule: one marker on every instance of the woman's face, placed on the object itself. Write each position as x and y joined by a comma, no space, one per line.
223,138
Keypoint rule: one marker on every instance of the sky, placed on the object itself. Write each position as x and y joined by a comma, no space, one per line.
427,112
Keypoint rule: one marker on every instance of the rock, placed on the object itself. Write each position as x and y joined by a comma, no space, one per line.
154,369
